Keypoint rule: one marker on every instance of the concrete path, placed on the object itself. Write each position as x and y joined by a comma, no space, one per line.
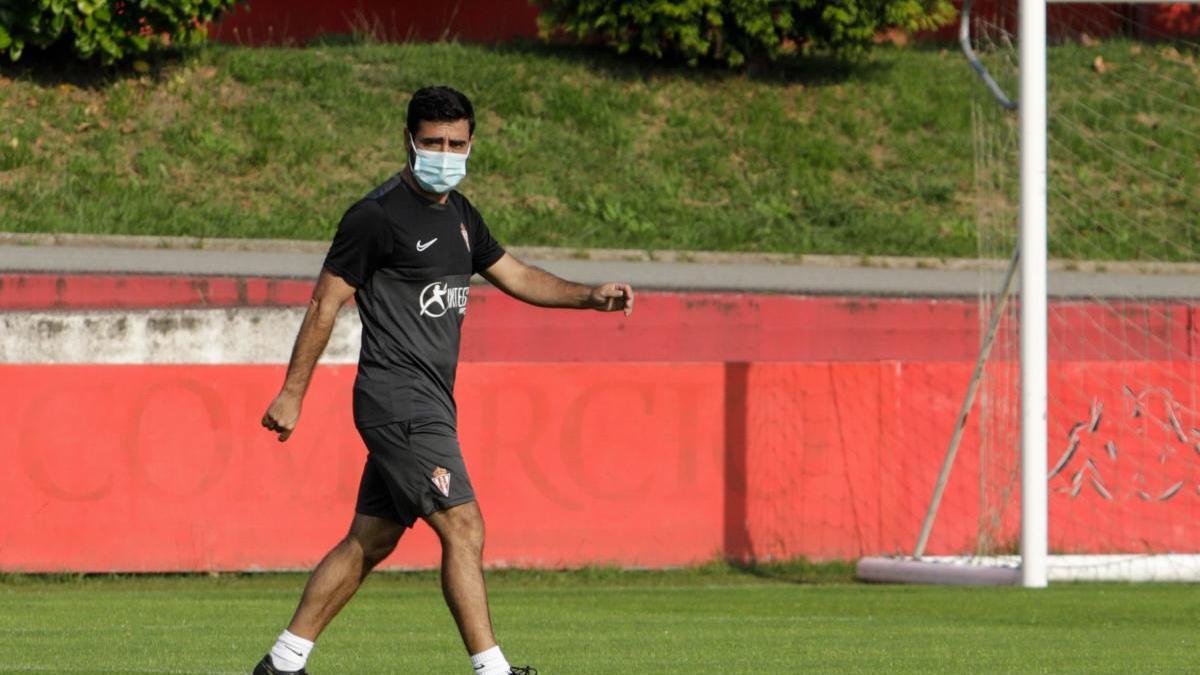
824,275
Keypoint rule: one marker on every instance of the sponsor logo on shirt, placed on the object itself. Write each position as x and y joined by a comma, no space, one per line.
439,298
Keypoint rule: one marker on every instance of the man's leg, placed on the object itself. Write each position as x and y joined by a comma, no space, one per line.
460,529
442,489
329,588
341,571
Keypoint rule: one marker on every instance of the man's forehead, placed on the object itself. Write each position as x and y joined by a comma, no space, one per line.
455,129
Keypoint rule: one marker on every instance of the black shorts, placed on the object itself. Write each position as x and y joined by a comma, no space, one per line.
414,468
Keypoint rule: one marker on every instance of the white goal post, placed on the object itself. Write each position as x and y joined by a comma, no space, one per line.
1034,567
1035,509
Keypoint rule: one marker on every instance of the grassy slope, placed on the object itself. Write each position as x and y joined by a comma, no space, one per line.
674,622
574,148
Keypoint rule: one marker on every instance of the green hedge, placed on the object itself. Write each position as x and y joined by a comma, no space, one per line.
108,30
734,31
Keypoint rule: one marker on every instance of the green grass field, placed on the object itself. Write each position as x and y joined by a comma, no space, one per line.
580,148
712,619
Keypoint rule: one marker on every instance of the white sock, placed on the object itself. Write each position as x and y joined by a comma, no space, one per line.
290,651
490,662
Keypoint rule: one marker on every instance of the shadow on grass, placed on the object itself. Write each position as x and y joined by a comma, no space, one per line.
809,70
59,65
798,571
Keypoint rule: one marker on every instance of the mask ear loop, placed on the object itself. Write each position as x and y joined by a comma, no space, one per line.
412,154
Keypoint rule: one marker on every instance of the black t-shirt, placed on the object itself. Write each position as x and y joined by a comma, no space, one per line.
411,261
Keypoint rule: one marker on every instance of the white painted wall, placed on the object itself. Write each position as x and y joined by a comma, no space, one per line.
231,335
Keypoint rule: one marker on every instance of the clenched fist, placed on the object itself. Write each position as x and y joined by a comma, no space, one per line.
282,415
612,297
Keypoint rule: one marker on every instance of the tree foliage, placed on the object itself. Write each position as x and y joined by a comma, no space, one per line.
108,30
734,31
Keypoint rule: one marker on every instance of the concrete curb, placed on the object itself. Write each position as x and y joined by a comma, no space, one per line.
664,270
540,253
533,253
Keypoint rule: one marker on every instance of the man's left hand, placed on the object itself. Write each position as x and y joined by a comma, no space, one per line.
612,297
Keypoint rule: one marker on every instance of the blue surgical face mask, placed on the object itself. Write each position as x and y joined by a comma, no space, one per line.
438,172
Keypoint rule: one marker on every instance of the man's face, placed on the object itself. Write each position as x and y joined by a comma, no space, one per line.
443,136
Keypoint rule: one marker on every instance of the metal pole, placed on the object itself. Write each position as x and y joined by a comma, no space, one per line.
1034,506
964,41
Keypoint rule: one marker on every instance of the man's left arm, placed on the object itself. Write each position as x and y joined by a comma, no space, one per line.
538,287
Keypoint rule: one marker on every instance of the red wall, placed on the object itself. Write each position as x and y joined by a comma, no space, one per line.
297,21
708,424
164,468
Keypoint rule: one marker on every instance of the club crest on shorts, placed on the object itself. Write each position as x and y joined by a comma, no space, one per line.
441,480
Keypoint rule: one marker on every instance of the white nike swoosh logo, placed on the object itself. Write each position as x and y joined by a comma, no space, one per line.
422,246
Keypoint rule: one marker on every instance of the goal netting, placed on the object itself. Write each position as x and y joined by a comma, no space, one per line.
1123,102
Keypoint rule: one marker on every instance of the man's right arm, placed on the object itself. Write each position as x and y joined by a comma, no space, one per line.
328,297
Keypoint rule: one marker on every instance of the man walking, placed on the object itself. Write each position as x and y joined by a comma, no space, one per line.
406,252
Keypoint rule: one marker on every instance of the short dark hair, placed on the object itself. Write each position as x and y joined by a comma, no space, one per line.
439,104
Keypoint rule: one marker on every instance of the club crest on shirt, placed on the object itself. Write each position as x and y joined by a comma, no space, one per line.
441,480
439,297
466,240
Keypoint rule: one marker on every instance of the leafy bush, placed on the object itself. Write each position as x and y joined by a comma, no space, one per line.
733,31
105,29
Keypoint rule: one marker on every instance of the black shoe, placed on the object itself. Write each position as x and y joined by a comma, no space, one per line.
267,667
522,670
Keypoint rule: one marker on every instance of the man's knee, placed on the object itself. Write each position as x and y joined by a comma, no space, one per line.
459,526
375,537
375,551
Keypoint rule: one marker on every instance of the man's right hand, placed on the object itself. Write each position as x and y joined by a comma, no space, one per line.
329,295
282,415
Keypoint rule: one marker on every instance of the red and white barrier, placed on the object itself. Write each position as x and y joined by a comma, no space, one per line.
707,425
